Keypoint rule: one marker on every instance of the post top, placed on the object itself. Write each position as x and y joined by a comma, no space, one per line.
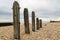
33,12
15,4
25,9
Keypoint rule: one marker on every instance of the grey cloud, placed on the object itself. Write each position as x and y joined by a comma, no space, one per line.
44,9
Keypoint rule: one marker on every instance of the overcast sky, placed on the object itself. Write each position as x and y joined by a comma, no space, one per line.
44,9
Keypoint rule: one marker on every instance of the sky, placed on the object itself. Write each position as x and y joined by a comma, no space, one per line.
44,9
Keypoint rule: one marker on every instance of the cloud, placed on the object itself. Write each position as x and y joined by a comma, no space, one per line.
45,9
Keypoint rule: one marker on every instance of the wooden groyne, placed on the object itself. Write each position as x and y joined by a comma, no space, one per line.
6,24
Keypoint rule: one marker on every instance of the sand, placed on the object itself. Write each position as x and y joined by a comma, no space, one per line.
49,31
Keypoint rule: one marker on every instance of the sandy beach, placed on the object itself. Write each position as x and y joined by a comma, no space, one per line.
49,31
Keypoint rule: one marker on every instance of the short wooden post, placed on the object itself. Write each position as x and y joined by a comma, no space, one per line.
37,23
40,23
33,21
26,21
16,20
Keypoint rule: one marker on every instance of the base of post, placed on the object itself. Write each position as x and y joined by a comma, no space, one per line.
16,39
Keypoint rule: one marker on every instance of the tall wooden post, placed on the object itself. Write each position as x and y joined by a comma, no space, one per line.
16,20
40,23
33,21
37,23
26,21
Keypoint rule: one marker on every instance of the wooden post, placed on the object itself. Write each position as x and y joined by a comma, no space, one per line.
37,23
33,21
16,20
26,21
40,23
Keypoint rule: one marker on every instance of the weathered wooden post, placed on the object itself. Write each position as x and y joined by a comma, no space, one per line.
33,21
40,23
16,20
26,21
37,23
